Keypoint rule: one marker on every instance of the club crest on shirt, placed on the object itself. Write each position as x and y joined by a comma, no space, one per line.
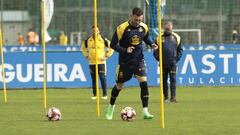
135,40
172,39
128,30
140,29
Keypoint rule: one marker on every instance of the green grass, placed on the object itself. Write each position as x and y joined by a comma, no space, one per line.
201,111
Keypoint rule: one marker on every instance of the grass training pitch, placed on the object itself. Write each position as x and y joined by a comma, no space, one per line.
200,111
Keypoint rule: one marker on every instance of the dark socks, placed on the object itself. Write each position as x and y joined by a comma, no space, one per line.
144,93
114,95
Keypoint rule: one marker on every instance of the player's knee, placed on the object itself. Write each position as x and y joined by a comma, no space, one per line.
173,72
102,76
173,76
142,79
119,86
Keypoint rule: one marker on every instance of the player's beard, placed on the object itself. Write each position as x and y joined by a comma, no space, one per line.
133,23
167,31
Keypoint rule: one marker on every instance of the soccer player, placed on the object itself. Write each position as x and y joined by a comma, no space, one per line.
88,49
172,52
130,36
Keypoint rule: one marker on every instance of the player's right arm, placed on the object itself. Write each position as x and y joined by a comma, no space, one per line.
84,49
114,44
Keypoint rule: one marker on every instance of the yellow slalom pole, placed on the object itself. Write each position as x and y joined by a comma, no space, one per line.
160,61
3,70
44,56
96,57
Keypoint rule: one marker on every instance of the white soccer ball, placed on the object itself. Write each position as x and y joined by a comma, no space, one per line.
54,114
128,114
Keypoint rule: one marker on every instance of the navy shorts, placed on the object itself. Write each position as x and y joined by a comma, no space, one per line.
125,71
101,69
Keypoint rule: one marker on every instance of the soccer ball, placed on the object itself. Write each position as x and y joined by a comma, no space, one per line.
54,114
128,114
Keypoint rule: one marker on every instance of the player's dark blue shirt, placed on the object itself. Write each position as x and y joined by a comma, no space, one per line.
171,49
127,35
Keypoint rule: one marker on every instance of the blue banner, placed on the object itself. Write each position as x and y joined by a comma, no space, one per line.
71,69
38,48
209,68
212,47
58,48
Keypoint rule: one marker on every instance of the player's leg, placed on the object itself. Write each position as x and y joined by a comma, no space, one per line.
165,84
141,75
92,72
144,94
122,75
173,83
102,76
114,94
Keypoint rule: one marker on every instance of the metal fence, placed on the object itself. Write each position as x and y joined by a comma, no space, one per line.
215,18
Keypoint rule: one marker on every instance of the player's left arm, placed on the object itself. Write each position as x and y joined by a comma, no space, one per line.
179,50
156,51
147,39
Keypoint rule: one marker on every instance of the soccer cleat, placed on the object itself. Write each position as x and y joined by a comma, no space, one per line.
104,97
147,116
166,100
173,100
110,111
93,97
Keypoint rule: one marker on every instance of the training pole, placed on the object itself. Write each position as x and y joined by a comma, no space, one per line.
44,54
2,58
96,57
160,62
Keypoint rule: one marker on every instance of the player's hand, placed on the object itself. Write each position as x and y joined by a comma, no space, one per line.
154,46
130,49
103,58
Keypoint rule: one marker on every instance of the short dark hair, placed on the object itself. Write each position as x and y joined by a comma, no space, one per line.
137,11
168,22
